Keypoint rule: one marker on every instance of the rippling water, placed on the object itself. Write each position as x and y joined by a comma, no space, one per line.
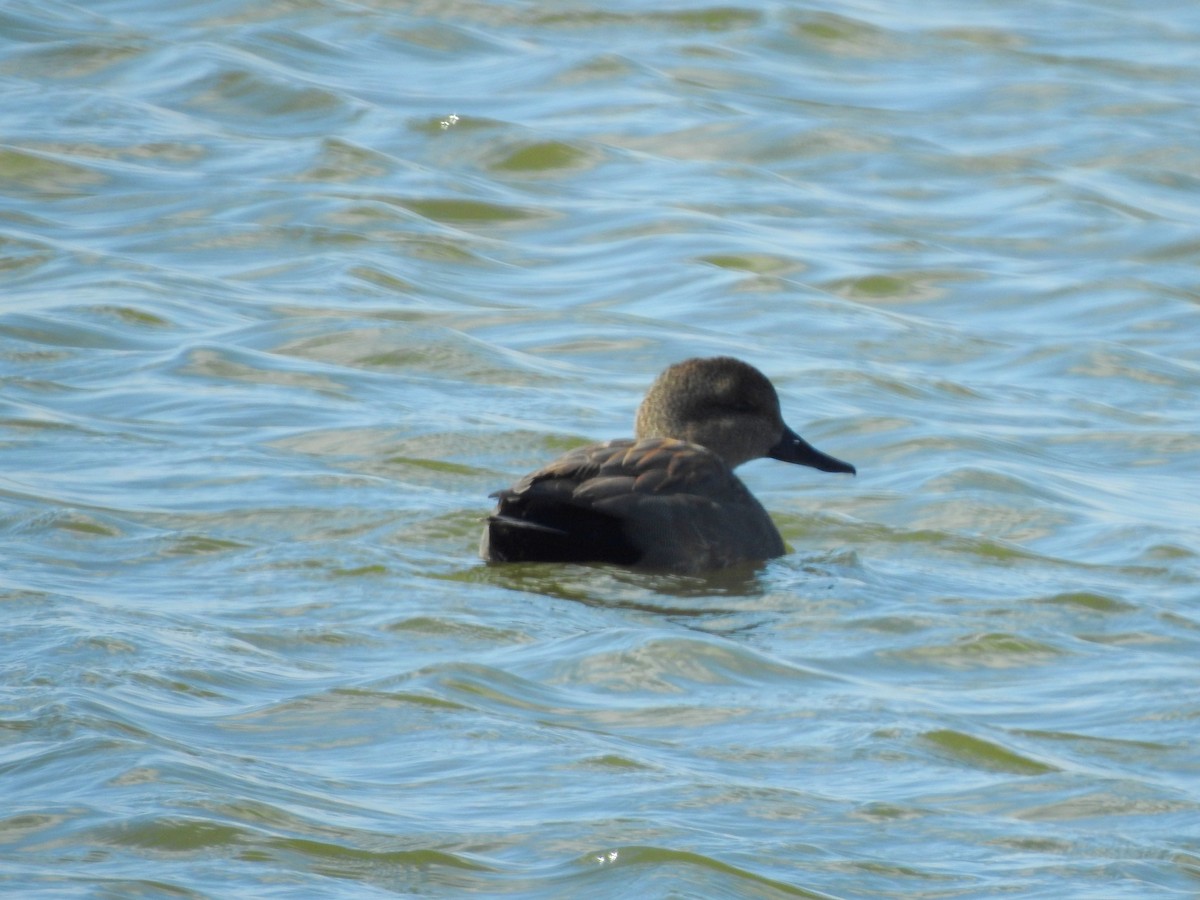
289,288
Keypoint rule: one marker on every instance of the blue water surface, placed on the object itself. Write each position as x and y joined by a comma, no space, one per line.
289,288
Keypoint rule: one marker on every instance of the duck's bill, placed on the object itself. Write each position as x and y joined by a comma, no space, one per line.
794,449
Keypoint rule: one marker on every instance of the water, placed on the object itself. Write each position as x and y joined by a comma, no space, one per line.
290,287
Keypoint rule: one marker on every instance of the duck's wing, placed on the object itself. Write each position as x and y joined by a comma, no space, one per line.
659,503
541,518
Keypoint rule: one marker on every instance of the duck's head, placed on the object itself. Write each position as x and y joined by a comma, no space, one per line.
729,407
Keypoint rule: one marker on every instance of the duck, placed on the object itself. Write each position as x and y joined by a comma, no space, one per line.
667,499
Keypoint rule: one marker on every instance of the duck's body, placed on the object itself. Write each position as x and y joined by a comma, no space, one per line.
667,499
659,503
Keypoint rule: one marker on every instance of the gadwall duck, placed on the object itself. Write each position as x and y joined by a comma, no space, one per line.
668,499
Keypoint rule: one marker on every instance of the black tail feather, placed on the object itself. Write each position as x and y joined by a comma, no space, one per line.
524,530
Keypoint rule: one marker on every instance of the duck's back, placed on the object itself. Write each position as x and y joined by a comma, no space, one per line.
658,503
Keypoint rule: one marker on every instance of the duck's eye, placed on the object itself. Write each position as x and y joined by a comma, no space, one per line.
742,406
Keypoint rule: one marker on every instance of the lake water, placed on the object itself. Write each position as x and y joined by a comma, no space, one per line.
290,287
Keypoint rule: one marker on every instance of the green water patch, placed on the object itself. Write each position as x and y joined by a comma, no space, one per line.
984,754
455,211
201,545
24,171
996,650
542,157
1088,600
741,882
754,263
